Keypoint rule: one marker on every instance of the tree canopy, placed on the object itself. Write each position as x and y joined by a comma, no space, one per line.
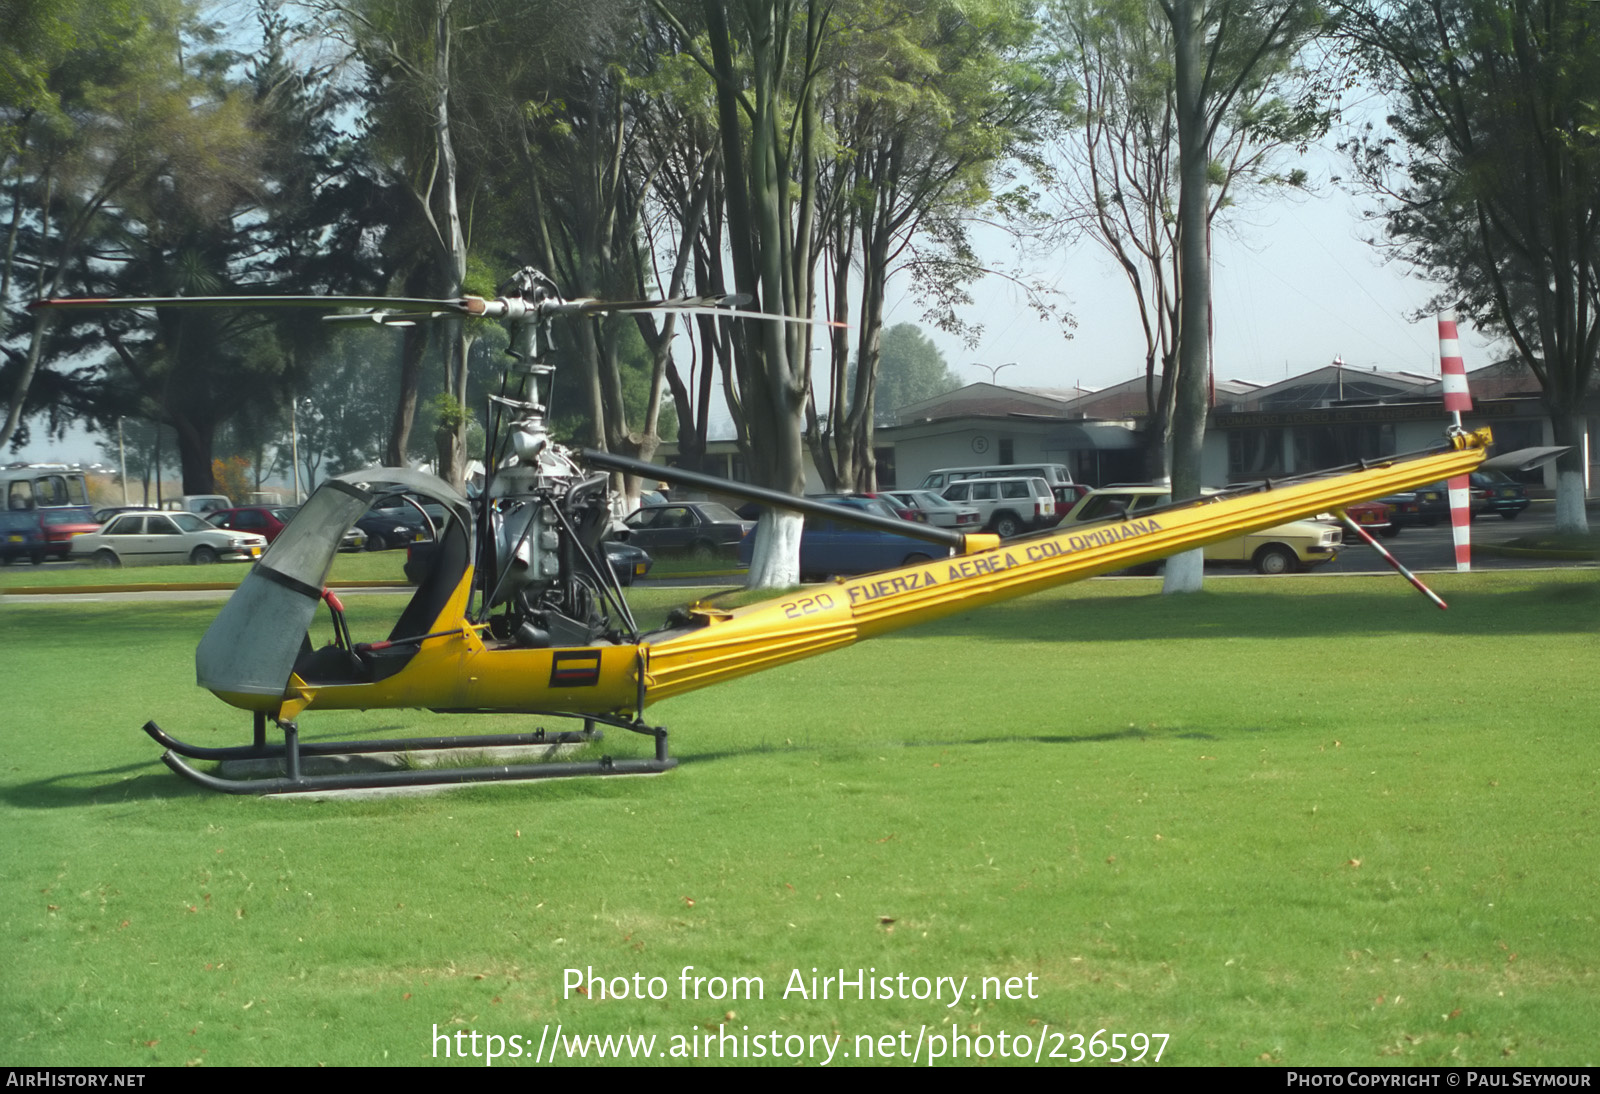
1115,179
1490,178
910,369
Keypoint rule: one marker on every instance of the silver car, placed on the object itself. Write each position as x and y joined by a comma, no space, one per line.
154,538
935,510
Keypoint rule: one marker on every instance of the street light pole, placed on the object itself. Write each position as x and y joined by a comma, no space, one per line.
294,448
122,460
994,370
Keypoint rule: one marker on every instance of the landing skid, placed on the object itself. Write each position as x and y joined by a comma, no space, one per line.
296,781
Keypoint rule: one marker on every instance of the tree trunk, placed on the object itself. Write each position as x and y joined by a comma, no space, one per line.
195,446
1185,572
1160,393
42,322
1571,516
771,245
413,349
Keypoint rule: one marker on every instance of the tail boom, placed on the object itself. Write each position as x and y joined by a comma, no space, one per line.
723,644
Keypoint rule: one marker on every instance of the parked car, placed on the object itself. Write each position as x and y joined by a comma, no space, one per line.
412,508
101,516
394,527
1420,508
1056,474
202,504
1282,549
1068,495
1497,492
41,507
59,526
700,529
262,520
269,520
628,562
151,538
1426,506
902,509
1373,516
829,547
935,510
1007,507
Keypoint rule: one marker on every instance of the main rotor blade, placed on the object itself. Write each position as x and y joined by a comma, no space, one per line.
771,316
843,514
410,309
89,303
679,303
387,318
726,307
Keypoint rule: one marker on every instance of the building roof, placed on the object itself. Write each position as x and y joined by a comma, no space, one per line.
1327,386
1332,385
990,400
1503,380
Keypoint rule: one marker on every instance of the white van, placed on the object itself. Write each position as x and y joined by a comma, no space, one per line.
1007,506
1055,474
200,504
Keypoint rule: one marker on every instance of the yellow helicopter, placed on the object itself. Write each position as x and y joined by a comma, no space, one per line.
520,613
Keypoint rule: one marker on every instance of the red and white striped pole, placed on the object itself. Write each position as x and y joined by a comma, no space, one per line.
1391,560
1457,401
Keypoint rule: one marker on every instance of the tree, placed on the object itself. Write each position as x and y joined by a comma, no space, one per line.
910,369
343,409
588,145
1221,49
922,105
138,447
1491,180
443,78
687,201
846,129
174,173
764,60
105,109
1117,177
414,55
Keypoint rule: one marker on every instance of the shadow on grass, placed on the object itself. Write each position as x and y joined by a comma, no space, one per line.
111,785
1131,733
75,789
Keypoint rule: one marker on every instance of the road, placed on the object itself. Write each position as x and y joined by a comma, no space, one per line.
1425,549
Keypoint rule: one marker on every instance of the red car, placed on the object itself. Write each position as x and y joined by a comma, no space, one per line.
1372,516
60,526
269,520
263,520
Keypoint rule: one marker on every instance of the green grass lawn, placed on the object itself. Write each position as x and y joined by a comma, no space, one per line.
351,566
1308,821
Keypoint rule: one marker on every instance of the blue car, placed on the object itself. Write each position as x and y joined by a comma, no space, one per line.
829,547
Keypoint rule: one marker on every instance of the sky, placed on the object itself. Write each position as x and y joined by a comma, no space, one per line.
1295,284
